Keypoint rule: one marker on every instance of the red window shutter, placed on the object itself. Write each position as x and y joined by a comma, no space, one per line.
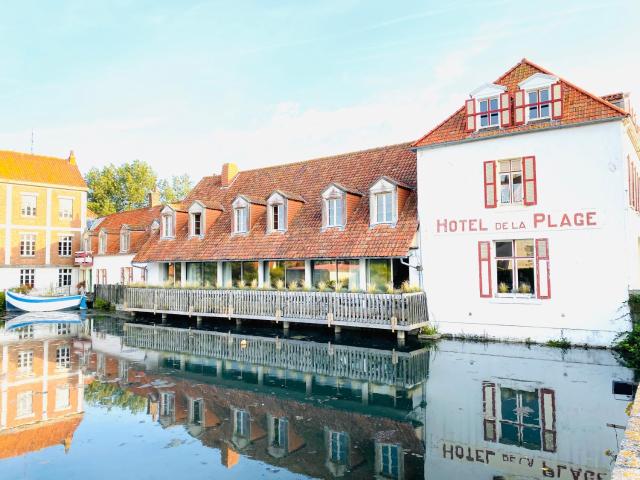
505,110
629,173
548,416
490,194
489,410
542,268
130,274
122,275
518,108
484,269
470,110
529,180
556,98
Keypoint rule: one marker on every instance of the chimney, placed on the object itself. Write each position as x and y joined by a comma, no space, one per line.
153,198
229,172
72,158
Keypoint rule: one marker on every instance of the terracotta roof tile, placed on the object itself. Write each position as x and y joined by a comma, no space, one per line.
304,237
138,221
578,107
26,167
34,437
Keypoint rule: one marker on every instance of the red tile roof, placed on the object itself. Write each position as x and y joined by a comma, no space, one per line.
34,437
578,107
138,220
30,168
304,237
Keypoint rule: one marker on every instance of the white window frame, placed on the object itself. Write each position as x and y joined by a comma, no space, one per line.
63,393
535,83
383,187
25,362
241,216
339,438
277,202
65,245
102,242
28,274
21,404
65,277
514,258
489,113
239,416
26,210
168,225
63,329
63,358
539,104
125,240
65,213
28,244
196,221
510,175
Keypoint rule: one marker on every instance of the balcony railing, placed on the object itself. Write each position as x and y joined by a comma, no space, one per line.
396,311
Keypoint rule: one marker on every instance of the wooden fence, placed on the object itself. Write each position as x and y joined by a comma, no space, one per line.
403,311
389,367
113,294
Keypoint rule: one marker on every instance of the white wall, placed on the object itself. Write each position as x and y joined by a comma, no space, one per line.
579,169
45,277
584,405
113,265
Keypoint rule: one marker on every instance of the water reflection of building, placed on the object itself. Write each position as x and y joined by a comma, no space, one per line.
512,411
336,411
41,388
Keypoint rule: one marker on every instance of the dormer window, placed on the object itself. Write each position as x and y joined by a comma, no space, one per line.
125,237
240,217
102,242
539,98
489,109
387,196
196,224
538,104
168,228
335,212
384,207
277,213
277,217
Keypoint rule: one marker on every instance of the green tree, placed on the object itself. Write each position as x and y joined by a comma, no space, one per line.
176,189
114,189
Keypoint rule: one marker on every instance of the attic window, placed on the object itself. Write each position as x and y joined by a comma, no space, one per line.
124,241
168,230
196,224
335,212
489,109
277,217
102,243
383,202
276,212
241,216
538,104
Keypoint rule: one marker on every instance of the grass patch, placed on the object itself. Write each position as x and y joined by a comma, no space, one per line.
429,330
560,343
102,304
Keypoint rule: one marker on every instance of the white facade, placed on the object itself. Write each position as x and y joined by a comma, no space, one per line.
566,439
581,172
46,278
112,266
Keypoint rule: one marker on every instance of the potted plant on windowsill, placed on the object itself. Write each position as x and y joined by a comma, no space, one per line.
524,288
503,288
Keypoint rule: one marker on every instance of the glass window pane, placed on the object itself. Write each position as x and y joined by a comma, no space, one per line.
379,272
494,104
194,273
505,189
524,248
388,202
509,404
517,187
494,119
516,165
177,266
530,408
533,97
236,272
294,273
505,276
504,249
505,166
533,112
323,271
349,274
249,272
544,110
526,276
509,434
276,273
340,212
544,95
531,438
483,105
484,120
380,207
210,274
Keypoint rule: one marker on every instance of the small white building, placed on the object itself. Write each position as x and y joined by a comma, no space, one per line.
113,241
528,202
525,412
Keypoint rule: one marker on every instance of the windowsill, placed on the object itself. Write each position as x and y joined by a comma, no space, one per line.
28,216
513,206
488,128
28,415
62,409
389,224
538,120
167,238
516,299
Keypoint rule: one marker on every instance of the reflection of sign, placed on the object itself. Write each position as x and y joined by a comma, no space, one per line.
83,259
514,222
521,464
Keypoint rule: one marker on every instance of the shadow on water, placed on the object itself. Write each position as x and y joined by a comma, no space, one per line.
227,401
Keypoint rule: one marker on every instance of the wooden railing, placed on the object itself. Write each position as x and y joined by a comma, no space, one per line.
113,294
374,365
403,311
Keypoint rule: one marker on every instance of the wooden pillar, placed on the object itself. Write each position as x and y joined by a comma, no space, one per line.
220,275
308,274
261,272
308,383
363,274
337,330
199,321
260,375
365,393
401,337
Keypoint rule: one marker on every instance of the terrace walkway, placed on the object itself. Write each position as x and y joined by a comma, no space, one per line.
398,313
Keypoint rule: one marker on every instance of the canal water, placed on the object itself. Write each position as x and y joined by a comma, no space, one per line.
105,397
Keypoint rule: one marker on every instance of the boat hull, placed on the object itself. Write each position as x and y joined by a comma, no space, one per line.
25,303
42,318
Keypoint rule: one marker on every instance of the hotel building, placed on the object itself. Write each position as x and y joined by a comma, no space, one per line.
529,201
43,204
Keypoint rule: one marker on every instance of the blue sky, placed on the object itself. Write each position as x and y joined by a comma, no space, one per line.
189,85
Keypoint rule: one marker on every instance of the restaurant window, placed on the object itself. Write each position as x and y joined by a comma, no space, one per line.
344,273
25,362
64,277
62,398
390,456
338,447
102,242
63,357
246,272
24,404
241,218
27,277
379,273
203,274
172,273
27,244
64,245
28,202
290,273
125,238
515,267
65,207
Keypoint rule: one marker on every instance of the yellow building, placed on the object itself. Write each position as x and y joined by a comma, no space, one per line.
43,211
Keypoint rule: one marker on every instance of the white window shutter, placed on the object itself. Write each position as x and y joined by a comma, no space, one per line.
529,180
556,97
548,417
518,108
470,110
490,195
484,267
489,411
505,110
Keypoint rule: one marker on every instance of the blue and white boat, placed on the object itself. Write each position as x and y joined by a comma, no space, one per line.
38,318
29,303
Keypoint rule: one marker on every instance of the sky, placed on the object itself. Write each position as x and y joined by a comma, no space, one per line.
190,85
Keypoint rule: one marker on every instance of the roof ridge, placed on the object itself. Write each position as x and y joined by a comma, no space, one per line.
35,155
